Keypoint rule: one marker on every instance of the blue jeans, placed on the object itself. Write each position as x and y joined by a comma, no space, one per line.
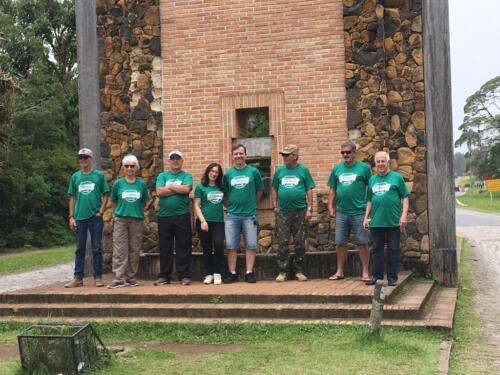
235,226
345,224
94,225
381,236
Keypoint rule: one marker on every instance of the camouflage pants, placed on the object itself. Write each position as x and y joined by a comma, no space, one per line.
291,223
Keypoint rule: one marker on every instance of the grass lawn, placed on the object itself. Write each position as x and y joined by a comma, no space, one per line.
12,262
264,349
474,200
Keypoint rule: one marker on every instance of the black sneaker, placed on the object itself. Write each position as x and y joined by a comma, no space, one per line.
116,284
392,282
250,278
231,278
132,282
161,281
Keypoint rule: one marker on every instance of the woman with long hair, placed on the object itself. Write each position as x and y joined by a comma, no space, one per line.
208,207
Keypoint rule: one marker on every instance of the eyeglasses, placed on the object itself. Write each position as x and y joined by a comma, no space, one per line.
129,166
175,157
83,157
287,155
345,152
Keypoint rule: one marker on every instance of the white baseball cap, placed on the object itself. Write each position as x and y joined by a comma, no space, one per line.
86,151
175,152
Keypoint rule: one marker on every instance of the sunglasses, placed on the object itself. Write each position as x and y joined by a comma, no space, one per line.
83,157
129,166
345,152
175,157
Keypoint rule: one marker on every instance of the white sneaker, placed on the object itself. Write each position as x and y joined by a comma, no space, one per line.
217,279
209,279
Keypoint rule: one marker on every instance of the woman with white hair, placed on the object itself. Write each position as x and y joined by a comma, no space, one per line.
129,197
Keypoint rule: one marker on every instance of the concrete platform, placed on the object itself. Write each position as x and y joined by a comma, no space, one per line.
413,302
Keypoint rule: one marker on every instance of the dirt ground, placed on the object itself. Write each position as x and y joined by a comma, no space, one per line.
485,257
11,351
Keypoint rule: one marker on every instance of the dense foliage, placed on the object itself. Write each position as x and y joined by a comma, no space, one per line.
480,130
38,50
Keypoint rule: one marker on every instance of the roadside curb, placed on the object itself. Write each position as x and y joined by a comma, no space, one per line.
444,357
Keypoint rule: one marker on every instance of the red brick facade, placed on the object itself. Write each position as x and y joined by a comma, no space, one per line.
222,55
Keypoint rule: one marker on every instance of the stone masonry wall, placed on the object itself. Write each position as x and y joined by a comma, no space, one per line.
130,87
385,100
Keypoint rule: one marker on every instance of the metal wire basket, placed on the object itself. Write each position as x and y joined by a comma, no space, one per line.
61,349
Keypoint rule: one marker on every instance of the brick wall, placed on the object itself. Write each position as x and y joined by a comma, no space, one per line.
218,49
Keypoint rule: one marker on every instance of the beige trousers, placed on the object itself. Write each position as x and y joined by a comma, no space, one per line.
127,242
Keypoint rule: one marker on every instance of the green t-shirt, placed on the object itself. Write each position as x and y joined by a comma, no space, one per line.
211,202
385,193
241,185
350,187
87,190
129,198
292,185
176,204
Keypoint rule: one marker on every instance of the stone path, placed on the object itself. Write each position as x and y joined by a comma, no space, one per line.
485,255
30,279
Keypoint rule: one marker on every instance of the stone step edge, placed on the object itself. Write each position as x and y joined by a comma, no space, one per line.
418,288
308,311
114,296
185,298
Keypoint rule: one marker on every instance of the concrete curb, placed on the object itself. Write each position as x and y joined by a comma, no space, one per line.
444,357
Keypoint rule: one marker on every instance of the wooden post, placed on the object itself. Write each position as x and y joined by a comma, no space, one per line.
88,90
439,131
377,307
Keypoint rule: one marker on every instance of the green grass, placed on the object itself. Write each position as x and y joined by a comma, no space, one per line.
265,349
474,200
30,260
467,334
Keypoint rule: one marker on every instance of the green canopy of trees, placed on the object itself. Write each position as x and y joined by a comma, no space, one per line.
38,50
480,130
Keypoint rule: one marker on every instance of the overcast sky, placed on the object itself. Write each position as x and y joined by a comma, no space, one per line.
475,50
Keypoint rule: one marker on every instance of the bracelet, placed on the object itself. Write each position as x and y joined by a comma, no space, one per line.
71,216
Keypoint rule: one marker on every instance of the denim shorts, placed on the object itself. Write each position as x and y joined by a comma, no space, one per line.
345,224
235,226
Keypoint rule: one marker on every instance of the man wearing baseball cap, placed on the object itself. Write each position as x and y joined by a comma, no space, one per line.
88,195
292,186
174,222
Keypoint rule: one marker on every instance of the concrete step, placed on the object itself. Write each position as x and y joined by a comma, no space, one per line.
349,290
202,310
408,306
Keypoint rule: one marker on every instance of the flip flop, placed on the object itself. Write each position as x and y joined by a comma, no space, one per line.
365,280
335,277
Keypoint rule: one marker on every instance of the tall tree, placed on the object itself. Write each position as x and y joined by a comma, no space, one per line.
481,128
38,48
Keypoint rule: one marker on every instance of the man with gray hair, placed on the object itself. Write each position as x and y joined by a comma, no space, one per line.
385,215
347,201
88,196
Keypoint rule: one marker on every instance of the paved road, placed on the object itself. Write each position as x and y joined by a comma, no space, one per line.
30,279
466,218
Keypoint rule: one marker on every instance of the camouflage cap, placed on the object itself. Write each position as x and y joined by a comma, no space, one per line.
290,149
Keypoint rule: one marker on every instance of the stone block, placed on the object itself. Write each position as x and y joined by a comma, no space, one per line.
405,156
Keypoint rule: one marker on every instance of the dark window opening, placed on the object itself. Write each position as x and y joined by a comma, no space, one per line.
253,122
